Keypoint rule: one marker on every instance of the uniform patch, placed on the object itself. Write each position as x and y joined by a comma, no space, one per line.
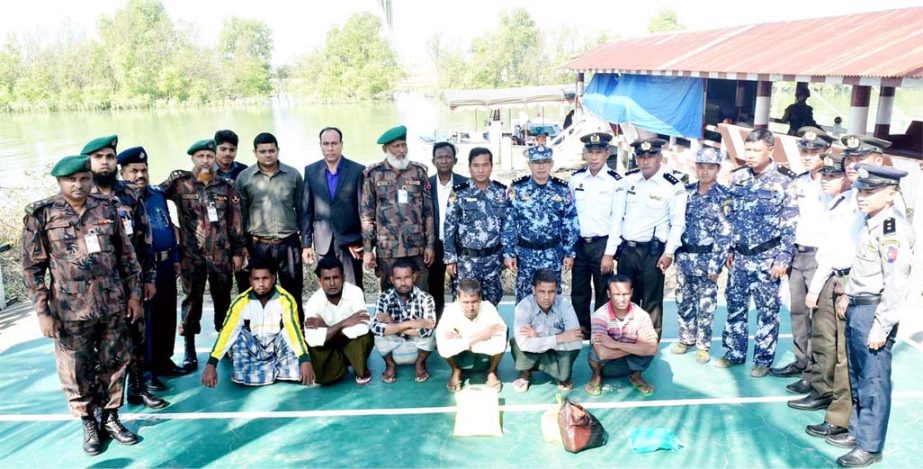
889,226
892,254
190,196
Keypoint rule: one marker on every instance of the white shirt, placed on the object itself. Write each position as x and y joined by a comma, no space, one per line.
841,224
443,191
351,301
812,203
653,207
600,200
453,319
265,321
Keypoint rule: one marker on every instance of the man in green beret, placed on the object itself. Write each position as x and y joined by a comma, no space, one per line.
211,240
133,216
396,211
77,238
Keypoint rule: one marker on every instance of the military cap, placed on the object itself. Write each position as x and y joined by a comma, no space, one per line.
709,155
132,155
109,141
596,140
208,144
833,164
650,146
393,134
873,176
813,137
539,153
861,145
70,165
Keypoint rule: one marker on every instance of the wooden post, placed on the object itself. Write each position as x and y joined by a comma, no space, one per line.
761,111
885,107
859,110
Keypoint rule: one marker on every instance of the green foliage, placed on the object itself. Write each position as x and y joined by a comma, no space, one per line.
356,63
247,43
664,21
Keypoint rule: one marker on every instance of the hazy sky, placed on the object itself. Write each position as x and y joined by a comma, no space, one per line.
299,27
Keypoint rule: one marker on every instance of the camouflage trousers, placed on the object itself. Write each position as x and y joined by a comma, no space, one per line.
742,285
485,270
92,357
531,261
193,276
696,301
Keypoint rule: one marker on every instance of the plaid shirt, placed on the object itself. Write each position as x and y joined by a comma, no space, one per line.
420,305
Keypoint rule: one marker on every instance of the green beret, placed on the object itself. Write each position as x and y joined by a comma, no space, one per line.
209,145
70,165
109,141
392,134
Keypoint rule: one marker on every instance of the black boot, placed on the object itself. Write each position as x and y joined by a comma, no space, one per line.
138,393
190,362
116,430
151,383
92,445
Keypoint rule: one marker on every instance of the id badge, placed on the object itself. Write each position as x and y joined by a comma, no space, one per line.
402,196
128,226
212,212
92,242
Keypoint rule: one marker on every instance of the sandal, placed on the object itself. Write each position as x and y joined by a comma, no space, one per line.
566,386
496,386
454,388
388,379
421,378
593,389
646,389
363,380
521,385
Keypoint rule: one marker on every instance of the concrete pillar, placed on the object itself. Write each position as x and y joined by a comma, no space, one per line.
580,87
739,99
858,119
883,117
761,111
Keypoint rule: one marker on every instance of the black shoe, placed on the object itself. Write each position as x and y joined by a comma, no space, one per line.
858,458
786,371
92,444
843,440
799,387
824,430
190,360
151,383
116,430
810,402
171,369
148,400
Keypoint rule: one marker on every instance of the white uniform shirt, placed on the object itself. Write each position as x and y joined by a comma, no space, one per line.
600,200
443,191
351,301
653,207
453,319
812,202
841,223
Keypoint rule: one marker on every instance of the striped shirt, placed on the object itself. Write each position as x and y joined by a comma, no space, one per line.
628,330
420,305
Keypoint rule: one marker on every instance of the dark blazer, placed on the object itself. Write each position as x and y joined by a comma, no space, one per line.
324,218
433,183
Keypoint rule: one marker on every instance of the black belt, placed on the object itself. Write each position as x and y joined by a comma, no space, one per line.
695,248
639,244
592,239
272,241
162,256
801,248
468,252
759,248
841,272
538,246
865,300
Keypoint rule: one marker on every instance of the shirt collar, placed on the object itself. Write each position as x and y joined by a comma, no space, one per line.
339,165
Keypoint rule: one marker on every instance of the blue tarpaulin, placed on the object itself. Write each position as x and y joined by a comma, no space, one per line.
665,105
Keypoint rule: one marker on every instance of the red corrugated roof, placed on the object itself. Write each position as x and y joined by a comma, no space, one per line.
879,44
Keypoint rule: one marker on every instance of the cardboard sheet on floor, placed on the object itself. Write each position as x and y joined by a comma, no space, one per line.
477,412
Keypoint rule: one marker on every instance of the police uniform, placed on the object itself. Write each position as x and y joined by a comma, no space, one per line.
473,223
541,226
210,234
878,280
654,220
93,271
808,236
600,202
396,212
706,243
764,211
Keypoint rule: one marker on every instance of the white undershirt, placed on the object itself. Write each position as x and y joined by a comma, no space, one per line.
442,193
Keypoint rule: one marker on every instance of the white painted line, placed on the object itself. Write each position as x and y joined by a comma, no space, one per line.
275,414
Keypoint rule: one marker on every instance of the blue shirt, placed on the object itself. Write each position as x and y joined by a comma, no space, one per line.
164,237
333,179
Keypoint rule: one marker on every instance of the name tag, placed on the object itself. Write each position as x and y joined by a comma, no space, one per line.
212,212
402,196
92,242
128,225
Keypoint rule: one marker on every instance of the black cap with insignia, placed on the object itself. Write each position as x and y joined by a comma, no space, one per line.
596,140
649,146
873,177
833,164
132,155
813,138
861,145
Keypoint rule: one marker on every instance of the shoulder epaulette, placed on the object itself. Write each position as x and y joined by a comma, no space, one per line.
31,208
498,184
683,177
179,173
722,189
558,181
520,180
691,186
784,170
373,167
743,166
615,175
890,227
670,178
461,185
803,173
581,170
633,171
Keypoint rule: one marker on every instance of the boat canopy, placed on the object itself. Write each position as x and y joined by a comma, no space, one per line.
509,97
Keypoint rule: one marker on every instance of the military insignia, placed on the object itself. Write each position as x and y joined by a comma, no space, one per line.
852,142
863,173
452,199
594,138
828,161
142,155
810,135
235,199
889,226
645,146
557,198
892,254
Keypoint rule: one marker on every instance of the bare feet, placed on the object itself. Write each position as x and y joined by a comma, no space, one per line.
421,374
493,381
390,374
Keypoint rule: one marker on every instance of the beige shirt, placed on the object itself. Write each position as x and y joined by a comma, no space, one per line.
453,319
351,301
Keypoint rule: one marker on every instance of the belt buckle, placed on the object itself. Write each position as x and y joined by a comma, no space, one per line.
631,244
588,240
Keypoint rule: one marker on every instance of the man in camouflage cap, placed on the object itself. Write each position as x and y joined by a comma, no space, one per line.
396,211
77,238
211,240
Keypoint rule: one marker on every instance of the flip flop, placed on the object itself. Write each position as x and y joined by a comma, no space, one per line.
565,387
646,389
593,389
496,386
521,385
453,388
362,381
421,379
388,380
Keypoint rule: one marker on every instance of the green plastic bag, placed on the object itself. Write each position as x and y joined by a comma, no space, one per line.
648,440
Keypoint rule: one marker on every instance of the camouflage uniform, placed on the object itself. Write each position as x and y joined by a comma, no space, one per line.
540,229
206,247
706,241
396,211
86,296
473,224
764,212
